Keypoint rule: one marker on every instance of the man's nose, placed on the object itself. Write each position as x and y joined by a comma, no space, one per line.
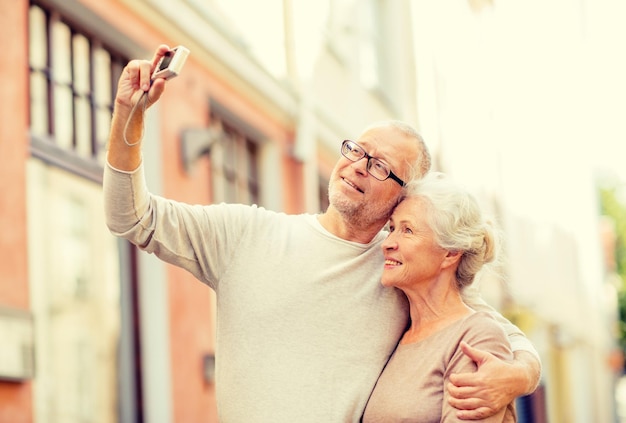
361,165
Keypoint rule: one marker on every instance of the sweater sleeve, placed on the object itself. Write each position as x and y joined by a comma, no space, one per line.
127,204
517,338
199,239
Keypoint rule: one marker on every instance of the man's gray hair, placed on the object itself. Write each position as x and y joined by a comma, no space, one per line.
422,164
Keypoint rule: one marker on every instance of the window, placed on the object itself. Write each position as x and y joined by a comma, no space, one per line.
369,44
355,29
71,90
234,162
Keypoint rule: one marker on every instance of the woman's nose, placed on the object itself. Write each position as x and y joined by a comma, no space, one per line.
389,243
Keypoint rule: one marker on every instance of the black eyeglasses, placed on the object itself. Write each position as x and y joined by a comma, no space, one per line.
379,170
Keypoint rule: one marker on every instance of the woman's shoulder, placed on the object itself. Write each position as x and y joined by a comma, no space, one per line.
481,316
482,322
481,330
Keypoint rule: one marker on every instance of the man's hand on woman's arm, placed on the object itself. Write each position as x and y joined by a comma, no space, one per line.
494,385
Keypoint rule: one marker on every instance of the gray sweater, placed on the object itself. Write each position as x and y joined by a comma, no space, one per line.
304,327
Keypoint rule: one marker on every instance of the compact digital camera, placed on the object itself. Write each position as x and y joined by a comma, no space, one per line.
171,63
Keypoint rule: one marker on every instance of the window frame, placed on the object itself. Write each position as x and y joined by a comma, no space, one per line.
45,146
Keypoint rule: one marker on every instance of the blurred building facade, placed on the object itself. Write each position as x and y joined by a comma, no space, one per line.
95,331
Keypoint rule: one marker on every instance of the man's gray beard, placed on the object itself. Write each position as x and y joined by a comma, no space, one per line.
358,214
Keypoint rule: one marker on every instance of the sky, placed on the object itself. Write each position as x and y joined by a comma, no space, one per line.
550,75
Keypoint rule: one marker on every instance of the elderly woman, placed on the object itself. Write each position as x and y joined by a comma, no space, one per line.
438,241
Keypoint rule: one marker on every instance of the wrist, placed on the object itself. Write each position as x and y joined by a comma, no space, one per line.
121,108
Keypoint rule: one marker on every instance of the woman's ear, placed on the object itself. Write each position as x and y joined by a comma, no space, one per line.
452,257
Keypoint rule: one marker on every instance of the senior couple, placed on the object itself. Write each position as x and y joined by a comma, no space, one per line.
331,317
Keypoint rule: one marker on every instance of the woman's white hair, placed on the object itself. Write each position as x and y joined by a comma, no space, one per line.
458,224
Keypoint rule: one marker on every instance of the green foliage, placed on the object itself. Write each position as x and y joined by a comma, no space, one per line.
613,207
